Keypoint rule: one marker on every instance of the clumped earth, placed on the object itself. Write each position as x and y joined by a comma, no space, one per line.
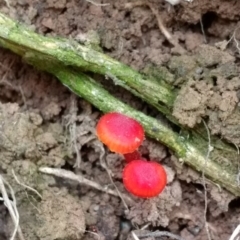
43,124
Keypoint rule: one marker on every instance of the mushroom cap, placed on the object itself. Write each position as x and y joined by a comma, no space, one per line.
120,133
144,179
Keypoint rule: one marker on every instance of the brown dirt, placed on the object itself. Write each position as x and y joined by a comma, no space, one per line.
38,117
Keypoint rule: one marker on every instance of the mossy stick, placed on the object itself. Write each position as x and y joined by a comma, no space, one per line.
20,39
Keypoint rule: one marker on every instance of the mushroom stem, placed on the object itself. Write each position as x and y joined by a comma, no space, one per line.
132,156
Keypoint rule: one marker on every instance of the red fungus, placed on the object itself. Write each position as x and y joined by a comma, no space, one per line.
144,179
120,133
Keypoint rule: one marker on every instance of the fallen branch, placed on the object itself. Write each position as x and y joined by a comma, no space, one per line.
57,56
82,180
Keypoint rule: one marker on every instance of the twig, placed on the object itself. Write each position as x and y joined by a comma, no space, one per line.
160,234
236,234
80,179
98,4
134,235
12,207
161,26
210,148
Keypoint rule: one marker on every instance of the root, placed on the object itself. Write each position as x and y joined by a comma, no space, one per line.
109,172
30,189
238,174
71,126
118,192
135,237
161,26
223,44
11,206
26,186
203,31
5,82
235,40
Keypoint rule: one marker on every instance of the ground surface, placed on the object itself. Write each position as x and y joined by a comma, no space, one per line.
43,124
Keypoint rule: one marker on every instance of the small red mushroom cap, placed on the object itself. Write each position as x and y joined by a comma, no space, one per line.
144,179
119,132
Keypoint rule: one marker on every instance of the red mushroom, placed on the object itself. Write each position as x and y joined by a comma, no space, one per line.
120,133
144,179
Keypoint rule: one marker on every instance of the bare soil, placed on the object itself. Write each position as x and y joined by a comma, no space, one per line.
43,124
